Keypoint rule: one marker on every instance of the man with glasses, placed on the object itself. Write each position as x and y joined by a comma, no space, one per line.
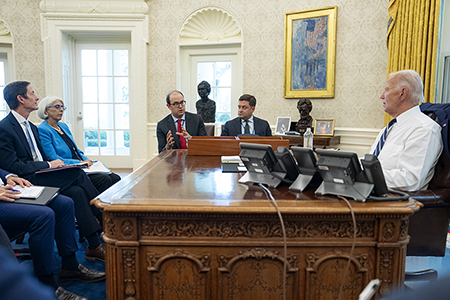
174,131
21,154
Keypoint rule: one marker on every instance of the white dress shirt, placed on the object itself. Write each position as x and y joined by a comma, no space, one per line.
251,125
411,151
21,120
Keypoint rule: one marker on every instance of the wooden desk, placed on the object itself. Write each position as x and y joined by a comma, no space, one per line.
229,145
318,141
179,228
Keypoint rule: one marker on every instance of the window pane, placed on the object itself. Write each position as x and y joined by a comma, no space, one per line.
223,117
121,89
90,116
104,62
89,89
222,96
122,116
88,62
105,88
1,96
105,113
120,62
2,73
91,142
123,142
205,71
106,142
223,73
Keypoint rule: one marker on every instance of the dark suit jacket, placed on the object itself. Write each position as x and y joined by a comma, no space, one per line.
233,127
3,174
15,152
194,126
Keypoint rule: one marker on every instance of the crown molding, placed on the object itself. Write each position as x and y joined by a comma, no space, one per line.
94,7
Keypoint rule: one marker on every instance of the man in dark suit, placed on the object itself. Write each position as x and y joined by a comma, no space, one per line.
177,128
44,225
21,153
246,123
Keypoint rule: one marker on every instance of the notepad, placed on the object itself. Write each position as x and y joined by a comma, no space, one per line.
31,192
97,168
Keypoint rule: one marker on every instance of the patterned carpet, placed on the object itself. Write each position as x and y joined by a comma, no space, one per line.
92,291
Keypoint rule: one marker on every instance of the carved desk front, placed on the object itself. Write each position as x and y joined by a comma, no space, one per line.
179,228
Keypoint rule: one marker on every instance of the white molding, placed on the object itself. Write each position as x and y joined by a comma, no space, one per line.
210,24
95,7
52,28
4,30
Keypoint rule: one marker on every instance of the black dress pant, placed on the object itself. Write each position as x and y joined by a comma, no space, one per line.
75,184
103,181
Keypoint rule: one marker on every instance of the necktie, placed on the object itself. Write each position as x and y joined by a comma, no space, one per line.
247,127
36,154
182,139
383,137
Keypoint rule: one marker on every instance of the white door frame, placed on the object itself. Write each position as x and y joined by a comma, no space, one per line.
54,25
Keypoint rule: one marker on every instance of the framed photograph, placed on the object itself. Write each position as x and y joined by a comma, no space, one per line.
324,127
310,53
283,125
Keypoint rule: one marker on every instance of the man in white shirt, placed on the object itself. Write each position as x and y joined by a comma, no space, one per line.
409,147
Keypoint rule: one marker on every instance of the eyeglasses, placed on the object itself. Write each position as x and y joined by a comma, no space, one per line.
178,104
58,106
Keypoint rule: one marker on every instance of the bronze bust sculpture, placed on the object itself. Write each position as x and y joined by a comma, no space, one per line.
304,107
205,106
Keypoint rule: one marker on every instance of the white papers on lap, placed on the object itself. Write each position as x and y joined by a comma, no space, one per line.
97,168
29,192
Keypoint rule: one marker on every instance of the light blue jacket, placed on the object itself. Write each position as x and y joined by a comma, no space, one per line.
54,146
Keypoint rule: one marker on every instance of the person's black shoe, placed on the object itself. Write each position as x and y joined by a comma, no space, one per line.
83,275
96,254
62,294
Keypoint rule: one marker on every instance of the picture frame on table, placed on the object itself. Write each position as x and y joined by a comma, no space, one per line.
324,127
310,53
283,125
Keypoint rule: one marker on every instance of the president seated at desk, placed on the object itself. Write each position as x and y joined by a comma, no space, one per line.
409,147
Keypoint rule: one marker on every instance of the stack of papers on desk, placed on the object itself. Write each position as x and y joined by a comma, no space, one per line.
232,164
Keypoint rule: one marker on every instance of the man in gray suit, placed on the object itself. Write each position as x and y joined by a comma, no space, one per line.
177,128
246,123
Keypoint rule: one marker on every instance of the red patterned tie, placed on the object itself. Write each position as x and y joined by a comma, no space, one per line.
182,139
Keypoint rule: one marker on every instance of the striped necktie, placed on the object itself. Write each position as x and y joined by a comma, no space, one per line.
383,137
34,149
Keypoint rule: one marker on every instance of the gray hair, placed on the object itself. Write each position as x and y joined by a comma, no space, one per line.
412,81
44,104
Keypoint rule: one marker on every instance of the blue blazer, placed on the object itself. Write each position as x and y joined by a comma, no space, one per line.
15,152
233,127
54,146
